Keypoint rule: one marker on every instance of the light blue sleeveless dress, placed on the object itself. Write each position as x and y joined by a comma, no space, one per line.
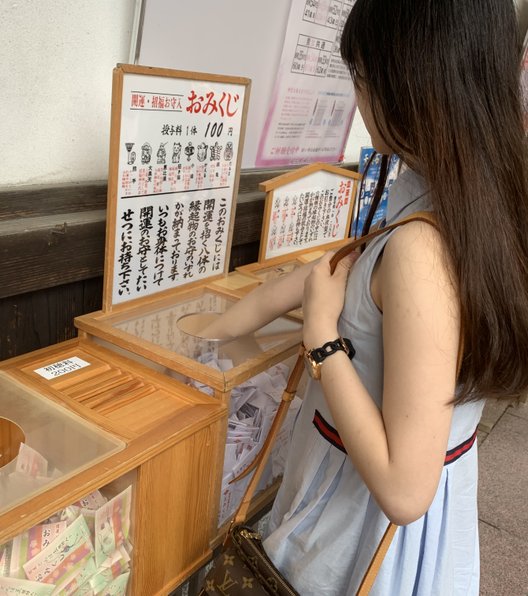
324,525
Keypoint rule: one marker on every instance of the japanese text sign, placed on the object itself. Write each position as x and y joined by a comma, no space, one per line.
308,208
174,168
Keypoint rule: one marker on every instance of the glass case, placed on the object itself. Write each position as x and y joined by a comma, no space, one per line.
178,328
83,548
169,332
43,443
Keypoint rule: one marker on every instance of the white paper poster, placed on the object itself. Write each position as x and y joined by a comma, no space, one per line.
313,101
178,151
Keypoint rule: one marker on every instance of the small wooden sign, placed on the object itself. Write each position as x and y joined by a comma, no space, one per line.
309,208
175,151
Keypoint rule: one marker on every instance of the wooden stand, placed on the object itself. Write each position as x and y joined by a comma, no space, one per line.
173,438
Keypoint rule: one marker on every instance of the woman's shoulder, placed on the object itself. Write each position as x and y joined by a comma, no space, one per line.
416,236
414,258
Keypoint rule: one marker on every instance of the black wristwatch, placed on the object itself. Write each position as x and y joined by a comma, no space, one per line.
314,358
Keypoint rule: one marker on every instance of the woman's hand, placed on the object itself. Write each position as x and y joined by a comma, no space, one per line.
323,299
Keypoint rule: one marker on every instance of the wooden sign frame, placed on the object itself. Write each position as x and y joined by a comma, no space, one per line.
210,102
281,264
271,187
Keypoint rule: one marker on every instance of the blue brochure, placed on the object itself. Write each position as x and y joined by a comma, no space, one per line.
368,188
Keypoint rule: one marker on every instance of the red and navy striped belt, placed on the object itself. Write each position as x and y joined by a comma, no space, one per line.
329,433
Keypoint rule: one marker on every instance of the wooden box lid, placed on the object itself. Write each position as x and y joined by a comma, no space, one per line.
122,397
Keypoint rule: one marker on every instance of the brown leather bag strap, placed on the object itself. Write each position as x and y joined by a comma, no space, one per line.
345,250
259,462
372,571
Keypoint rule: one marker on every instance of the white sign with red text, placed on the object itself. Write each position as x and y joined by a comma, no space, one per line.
177,168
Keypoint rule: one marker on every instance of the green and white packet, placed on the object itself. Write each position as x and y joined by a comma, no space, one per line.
64,558
10,586
117,587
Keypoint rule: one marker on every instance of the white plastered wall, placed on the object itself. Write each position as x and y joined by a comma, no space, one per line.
55,91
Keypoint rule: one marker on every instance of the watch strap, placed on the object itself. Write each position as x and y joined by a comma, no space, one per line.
331,347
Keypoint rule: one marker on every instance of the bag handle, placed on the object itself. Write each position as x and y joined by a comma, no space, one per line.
260,461
345,250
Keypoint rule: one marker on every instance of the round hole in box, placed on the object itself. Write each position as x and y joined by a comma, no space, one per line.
197,322
11,435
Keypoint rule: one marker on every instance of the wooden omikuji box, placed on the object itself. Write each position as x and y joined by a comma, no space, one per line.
168,243
106,422
158,335
162,333
307,212
170,221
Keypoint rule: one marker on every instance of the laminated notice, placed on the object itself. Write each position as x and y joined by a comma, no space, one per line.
57,369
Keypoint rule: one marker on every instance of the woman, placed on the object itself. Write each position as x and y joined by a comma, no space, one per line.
438,316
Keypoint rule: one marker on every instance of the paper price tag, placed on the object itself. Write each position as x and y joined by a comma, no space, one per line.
63,367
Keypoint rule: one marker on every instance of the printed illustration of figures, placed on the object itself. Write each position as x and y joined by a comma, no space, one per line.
146,153
216,152
176,152
189,150
161,154
228,153
202,151
131,154
199,159
204,166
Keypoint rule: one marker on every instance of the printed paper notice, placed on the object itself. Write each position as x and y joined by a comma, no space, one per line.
313,102
309,212
57,369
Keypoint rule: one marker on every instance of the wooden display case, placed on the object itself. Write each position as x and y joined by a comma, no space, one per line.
159,334
120,423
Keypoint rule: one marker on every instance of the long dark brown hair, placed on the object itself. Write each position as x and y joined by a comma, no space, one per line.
442,77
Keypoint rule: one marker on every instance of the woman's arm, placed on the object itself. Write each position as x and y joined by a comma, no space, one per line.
400,450
261,306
